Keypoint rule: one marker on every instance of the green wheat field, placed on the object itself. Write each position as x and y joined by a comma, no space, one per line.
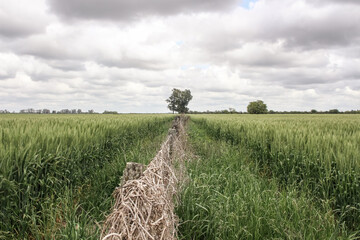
249,176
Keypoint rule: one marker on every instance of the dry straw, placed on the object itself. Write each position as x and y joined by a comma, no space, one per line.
144,207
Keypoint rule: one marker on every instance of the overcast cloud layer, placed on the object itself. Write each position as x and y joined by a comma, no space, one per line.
128,55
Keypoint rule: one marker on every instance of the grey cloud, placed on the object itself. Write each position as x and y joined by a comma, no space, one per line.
46,76
221,41
355,85
217,89
7,72
327,2
316,29
17,29
40,47
18,20
353,74
321,3
6,76
134,9
262,59
323,34
266,62
64,55
351,52
332,27
302,81
43,47
66,65
301,78
280,58
129,62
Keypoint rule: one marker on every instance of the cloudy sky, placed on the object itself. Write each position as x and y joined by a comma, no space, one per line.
127,55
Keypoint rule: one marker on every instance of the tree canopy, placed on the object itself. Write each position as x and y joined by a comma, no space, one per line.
257,107
179,100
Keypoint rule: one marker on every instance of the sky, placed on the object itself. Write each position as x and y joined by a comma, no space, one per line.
128,55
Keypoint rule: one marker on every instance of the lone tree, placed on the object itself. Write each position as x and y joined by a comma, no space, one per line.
179,100
257,107
334,111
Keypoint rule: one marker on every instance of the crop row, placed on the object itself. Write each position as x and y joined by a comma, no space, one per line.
49,163
227,197
317,154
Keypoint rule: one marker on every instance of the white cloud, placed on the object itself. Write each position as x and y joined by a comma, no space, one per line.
21,18
133,10
295,55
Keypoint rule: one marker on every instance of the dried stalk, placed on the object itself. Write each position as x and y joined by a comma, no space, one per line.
144,207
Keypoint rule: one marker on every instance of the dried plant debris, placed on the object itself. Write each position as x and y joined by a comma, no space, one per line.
144,207
132,171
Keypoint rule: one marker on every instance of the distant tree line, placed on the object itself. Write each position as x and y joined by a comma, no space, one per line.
259,107
331,111
4,111
48,111
63,111
226,111
110,112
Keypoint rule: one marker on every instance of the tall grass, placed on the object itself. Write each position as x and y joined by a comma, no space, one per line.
227,198
318,154
57,173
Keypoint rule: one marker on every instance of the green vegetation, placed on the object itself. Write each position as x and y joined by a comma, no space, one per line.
179,100
257,107
296,158
227,197
58,172
254,177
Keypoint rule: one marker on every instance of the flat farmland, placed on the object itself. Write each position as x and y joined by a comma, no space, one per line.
247,176
57,172
272,176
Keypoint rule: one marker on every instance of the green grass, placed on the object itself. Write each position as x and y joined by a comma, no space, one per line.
228,197
57,173
257,177
319,154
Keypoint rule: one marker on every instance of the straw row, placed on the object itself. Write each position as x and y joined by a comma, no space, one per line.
144,207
